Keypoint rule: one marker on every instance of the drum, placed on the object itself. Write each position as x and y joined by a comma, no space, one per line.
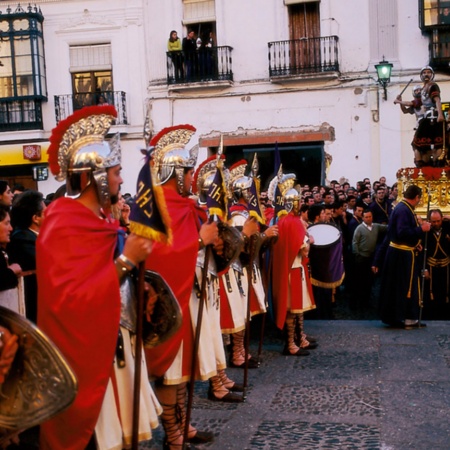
325,256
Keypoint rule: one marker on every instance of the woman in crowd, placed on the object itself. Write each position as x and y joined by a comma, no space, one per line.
6,195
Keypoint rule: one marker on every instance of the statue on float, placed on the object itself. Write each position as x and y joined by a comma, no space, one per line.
430,138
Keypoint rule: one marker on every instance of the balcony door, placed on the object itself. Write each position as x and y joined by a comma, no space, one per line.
92,80
304,25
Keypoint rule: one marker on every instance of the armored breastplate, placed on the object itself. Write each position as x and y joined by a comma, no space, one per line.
128,304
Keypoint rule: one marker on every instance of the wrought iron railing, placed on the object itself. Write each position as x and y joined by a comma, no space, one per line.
65,105
303,56
16,115
205,64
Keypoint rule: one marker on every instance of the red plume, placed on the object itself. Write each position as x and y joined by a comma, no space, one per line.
237,164
164,131
63,126
197,172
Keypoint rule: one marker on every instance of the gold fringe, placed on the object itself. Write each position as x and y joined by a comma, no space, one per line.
218,212
257,217
162,207
321,284
149,233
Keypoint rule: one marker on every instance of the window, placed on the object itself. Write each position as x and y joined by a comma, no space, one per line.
434,13
195,11
91,70
22,68
383,29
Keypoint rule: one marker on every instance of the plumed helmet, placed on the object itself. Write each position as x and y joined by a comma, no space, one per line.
79,154
204,176
240,183
290,195
170,156
426,68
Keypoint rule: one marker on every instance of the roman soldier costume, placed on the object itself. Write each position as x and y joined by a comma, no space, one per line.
79,293
291,287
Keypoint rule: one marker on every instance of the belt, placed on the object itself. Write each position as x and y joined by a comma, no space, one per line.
441,262
402,247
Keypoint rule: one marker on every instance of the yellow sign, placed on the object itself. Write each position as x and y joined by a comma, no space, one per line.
13,154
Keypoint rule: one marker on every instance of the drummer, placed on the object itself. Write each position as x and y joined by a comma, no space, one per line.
326,273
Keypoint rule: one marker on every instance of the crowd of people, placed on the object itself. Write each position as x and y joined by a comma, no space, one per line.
231,253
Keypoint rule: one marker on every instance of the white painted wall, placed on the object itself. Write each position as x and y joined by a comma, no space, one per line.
372,137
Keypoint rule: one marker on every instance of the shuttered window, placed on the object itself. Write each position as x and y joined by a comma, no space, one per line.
85,58
294,2
196,11
383,22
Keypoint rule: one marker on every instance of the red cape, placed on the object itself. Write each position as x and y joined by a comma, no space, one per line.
79,310
290,241
176,264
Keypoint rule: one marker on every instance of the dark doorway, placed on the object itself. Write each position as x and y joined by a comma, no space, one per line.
306,161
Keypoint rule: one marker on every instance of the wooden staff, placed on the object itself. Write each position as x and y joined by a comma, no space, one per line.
138,356
197,330
252,245
266,289
406,87
425,251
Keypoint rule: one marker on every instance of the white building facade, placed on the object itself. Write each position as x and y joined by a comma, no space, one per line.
297,75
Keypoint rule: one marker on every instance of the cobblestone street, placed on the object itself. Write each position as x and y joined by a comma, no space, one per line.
365,387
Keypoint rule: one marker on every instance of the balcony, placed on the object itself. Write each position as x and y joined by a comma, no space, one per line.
65,105
206,64
18,115
303,58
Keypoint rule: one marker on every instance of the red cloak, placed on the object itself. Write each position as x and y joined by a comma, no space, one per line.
176,264
79,310
290,241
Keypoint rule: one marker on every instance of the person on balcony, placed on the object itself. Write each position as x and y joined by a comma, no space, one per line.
174,49
190,55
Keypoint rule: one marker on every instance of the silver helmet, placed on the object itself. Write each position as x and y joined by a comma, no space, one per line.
79,154
204,177
291,196
423,70
417,87
171,157
240,184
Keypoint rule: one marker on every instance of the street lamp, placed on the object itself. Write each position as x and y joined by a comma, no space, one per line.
384,74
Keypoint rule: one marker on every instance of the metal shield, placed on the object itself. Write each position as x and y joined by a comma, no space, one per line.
166,316
40,383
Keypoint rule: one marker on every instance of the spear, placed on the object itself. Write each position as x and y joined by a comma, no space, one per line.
201,306
424,266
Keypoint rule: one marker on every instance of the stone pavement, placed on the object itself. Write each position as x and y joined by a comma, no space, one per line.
365,387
